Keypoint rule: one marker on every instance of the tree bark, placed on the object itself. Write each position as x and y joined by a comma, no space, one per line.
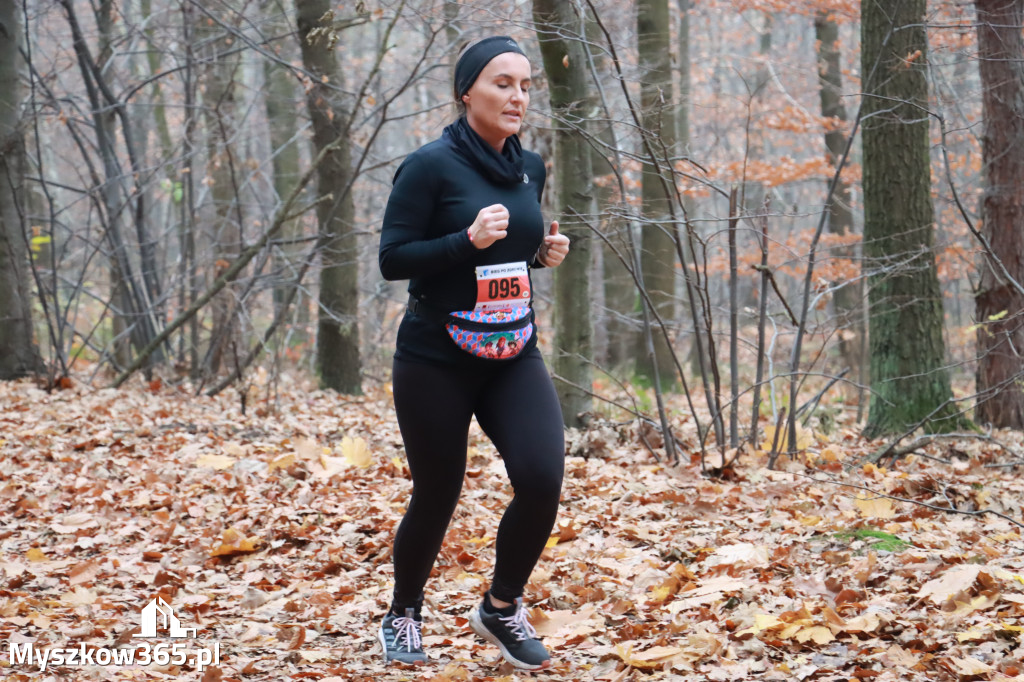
281,96
616,335
999,304
188,268
698,357
847,297
18,354
219,116
567,73
163,129
657,241
337,327
754,191
910,384
106,124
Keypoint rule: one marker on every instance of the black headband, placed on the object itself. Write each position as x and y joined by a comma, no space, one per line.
476,57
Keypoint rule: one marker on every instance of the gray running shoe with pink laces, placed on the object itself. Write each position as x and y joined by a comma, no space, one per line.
401,638
513,635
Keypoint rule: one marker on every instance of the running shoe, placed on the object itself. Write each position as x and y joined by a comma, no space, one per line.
401,638
513,635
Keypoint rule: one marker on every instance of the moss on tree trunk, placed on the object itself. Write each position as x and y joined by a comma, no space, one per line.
910,383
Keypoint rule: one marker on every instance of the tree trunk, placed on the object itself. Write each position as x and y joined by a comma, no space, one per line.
281,95
163,129
910,384
685,76
337,327
1000,304
696,364
165,210
188,269
620,320
567,73
657,242
18,354
120,287
848,296
754,191
615,331
219,116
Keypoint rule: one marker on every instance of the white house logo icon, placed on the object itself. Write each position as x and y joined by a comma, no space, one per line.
170,621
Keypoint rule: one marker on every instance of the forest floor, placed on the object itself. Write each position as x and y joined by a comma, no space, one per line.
269,532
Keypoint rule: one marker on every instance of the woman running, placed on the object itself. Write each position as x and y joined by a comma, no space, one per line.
463,224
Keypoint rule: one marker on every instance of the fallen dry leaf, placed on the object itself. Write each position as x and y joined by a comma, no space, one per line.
955,580
217,462
804,438
234,543
282,462
817,633
84,572
896,655
744,553
970,666
875,507
654,657
79,596
36,554
356,451
330,466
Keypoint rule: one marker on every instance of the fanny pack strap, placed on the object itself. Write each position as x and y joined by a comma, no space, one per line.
429,312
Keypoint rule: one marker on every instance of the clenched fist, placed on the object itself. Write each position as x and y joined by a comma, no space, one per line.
491,224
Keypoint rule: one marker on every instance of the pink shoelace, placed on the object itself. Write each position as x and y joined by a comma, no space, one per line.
407,633
519,626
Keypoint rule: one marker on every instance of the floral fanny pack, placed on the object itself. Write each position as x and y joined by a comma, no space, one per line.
494,335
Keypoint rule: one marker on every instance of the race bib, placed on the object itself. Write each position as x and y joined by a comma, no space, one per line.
502,287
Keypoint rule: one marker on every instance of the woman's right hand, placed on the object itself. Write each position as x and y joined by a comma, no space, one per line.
491,224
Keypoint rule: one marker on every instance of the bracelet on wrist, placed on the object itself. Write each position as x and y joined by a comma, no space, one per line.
469,233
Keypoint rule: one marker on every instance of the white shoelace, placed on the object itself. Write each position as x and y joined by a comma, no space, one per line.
407,633
519,626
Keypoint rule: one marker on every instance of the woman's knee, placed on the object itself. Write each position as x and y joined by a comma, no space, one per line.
540,486
437,495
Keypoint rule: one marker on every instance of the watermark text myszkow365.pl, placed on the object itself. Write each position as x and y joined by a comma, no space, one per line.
156,614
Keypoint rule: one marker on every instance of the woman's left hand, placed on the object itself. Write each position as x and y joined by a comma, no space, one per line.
554,249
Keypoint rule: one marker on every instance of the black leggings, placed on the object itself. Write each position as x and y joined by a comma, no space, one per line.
516,406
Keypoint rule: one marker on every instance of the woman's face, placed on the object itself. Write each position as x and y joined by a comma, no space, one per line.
496,102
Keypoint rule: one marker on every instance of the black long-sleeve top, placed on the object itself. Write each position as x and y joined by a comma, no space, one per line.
436,196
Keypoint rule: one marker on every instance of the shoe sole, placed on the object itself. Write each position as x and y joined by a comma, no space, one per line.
479,628
384,651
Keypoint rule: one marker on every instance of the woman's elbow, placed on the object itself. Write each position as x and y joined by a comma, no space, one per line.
389,270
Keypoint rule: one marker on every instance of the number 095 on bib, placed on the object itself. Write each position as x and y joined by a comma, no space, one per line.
502,287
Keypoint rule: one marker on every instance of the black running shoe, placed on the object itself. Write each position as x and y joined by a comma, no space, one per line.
401,638
513,635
